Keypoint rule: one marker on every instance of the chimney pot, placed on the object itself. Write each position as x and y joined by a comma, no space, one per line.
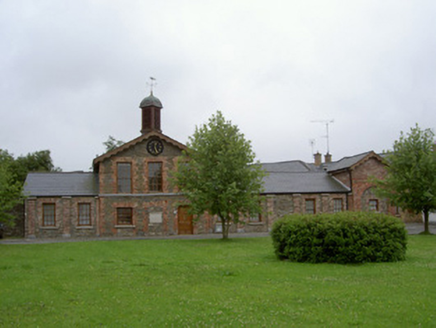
318,158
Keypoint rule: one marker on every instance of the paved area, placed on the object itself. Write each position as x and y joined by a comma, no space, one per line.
12,241
416,228
412,228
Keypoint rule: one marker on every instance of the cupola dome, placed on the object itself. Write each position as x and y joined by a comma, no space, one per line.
150,101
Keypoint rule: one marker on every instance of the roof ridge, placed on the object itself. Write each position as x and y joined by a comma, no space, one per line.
346,157
62,172
300,172
281,162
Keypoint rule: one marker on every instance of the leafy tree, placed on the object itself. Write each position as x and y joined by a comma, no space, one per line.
13,173
218,174
10,188
38,161
411,173
111,143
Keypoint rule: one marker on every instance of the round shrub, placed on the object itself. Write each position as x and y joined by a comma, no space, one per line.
346,237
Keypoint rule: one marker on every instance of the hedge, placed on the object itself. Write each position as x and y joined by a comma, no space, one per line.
346,237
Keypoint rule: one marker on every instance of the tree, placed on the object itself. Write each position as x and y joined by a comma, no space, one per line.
13,173
10,188
218,175
38,161
411,173
111,143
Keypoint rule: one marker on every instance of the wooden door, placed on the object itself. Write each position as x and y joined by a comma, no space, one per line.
185,221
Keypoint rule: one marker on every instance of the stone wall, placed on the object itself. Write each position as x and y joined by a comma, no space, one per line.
66,217
276,206
151,215
139,159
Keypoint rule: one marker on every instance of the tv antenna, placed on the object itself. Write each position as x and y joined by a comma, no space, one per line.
152,84
312,145
327,123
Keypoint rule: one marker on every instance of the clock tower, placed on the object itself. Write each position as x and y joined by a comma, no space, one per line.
150,107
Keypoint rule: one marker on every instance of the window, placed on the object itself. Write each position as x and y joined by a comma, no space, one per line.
155,176
124,216
49,215
124,180
84,214
337,205
373,205
255,217
310,206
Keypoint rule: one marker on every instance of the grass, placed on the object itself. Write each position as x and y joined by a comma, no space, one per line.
198,283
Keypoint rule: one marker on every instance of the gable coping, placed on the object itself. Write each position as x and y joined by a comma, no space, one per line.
368,156
134,142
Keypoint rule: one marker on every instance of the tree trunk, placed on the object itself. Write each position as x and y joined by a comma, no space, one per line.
225,227
426,229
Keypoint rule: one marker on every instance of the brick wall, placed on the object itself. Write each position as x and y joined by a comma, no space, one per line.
361,186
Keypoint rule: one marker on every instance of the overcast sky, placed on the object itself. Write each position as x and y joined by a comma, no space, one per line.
74,72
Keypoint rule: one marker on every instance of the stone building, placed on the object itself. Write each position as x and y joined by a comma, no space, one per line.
129,194
329,187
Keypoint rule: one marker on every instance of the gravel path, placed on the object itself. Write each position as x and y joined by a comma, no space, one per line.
412,228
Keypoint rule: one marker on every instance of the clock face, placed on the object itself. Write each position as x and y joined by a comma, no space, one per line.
155,147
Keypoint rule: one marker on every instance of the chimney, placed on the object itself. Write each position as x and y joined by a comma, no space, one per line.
327,158
318,158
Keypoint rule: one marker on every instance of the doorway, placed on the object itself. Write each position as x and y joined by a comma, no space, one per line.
185,221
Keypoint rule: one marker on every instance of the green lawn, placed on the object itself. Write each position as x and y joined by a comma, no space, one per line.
197,283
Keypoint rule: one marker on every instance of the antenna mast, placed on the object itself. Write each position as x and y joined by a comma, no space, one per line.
312,145
326,122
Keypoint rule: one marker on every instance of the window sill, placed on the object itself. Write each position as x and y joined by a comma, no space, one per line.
84,227
255,223
125,226
49,228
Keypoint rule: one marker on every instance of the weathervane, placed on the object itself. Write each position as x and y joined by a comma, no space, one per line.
152,84
326,122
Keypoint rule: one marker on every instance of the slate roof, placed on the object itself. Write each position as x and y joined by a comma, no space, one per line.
283,177
302,183
350,161
298,177
61,184
346,162
289,166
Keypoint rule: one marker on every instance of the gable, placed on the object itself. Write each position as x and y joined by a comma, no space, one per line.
352,162
372,166
138,148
